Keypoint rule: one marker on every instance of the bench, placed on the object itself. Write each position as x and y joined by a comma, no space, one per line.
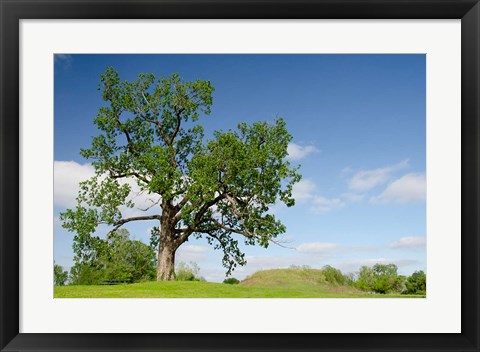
115,282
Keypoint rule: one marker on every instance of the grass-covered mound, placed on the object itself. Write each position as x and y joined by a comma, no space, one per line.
309,280
282,277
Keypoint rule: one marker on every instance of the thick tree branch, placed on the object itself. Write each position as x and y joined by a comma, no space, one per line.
196,221
125,132
151,206
178,113
181,204
160,128
230,229
234,203
202,210
135,218
217,226
128,174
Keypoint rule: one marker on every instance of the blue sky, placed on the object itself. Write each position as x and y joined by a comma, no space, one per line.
358,126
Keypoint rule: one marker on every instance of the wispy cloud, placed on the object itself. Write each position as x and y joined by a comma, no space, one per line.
69,174
410,187
408,242
63,60
56,221
322,204
304,189
346,170
194,249
407,189
298,152
352,197
365,180
317,247
192,253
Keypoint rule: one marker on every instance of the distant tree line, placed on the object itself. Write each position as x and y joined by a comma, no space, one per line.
381,278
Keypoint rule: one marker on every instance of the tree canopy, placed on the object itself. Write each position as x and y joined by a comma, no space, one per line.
416,283
219,188
116,259
381,278
60,276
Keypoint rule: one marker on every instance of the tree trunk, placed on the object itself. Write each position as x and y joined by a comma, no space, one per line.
166,261
167,246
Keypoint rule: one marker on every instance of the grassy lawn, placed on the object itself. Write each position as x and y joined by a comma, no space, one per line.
279,283
185,289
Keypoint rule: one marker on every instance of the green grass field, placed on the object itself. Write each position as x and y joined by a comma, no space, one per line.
276,283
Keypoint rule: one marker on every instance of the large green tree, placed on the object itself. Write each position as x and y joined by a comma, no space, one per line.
416,283
381,278
220,188
116,258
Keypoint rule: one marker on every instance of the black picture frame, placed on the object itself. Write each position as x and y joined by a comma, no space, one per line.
12,11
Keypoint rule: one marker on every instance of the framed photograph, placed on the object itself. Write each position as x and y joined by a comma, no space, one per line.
243,175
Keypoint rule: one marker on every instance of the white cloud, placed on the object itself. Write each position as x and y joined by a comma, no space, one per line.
56,221
67,175
144,202
365,180
187,257
192,253
366,248
352,197
304,189
63,57
346,171
194,249
322,205
298,152
408,188
63,60
317,247
408,242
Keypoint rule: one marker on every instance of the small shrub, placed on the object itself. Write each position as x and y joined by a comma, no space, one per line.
365,279
381,278
416,283
60,276
350,278
231,281
86,275
188,272
334,276
304,267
